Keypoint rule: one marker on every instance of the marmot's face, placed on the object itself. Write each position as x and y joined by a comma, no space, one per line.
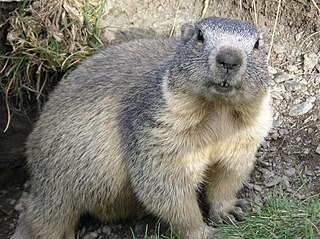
224,59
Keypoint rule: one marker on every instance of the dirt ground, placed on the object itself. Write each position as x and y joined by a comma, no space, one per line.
290,156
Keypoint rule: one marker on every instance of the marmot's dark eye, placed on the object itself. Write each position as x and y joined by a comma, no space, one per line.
200,36
257,44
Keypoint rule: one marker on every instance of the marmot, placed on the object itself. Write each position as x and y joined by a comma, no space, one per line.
144,125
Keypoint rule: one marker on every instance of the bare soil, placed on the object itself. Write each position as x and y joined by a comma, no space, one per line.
290,156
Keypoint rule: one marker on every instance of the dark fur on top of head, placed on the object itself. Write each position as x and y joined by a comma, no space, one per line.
221,52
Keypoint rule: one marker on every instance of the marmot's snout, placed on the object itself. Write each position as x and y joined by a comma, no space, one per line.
229,61
228,66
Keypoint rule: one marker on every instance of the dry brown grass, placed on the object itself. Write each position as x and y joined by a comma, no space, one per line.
47,38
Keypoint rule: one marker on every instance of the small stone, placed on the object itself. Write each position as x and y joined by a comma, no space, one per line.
275,135
285,183
279,48
292,85
257,188
306,151
27,184
299,36
290,172
273,182
19,207
283,132
310,130
283,77
93,234
311,99
310,61
106,230
318,149
298,139
309,173
272,70
300,109
292,68
12,202
248,185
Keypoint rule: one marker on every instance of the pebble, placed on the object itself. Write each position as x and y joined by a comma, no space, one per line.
310,61
19,207
306,151
285,183
275,135
106,230
257,188
300,109
311,99
293,68
93,234
318,149
273,182
283,131
272,70
292,85
290,172
279,48
283,77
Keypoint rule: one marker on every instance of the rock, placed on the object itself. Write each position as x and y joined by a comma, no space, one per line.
283,77
93,234
272,70
306,151
275,135
310,61
257,188
285,183
283,132
106,230
273,182
300,109
292,68
279,48
318,149
19,207
299,36
292,85
290,172
311,99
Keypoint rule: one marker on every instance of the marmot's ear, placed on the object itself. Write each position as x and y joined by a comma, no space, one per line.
187,31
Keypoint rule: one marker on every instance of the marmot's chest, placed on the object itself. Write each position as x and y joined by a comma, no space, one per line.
226,137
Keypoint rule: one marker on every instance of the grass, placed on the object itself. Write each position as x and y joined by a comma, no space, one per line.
47,38
281,218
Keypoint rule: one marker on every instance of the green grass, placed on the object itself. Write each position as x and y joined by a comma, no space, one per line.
281,218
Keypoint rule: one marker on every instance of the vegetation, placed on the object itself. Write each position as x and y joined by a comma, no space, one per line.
281,217
47,39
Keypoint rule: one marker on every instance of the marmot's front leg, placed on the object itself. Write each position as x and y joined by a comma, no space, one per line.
224,180
170,194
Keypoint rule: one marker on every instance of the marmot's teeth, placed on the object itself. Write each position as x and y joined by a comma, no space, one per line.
224,84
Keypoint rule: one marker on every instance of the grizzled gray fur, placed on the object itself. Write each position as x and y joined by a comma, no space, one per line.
142,126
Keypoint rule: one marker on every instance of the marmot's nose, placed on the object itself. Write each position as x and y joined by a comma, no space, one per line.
229,60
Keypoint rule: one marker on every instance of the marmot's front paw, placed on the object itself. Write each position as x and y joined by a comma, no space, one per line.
230,215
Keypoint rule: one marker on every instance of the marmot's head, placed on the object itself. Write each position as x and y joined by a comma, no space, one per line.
221,58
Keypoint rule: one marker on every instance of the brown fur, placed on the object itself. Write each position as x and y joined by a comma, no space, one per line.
141,126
